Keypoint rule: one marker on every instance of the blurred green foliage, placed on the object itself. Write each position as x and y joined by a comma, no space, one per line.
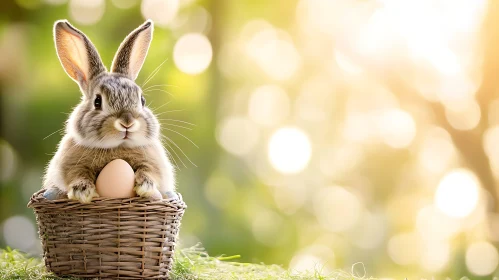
376,128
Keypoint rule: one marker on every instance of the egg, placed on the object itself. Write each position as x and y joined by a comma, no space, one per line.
116,180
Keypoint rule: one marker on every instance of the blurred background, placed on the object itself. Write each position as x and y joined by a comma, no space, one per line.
324,132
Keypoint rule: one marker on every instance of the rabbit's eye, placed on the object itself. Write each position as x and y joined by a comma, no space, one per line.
98,102
143,100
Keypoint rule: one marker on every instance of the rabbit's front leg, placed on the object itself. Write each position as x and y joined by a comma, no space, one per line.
145,184
81,185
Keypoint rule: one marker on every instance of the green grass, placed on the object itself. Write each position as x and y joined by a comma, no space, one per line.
191,263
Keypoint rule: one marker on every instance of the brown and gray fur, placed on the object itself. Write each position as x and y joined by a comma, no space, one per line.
120,128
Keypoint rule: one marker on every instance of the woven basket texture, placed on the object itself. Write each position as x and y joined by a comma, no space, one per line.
109,238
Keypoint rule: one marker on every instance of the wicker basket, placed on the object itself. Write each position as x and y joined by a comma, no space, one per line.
131,238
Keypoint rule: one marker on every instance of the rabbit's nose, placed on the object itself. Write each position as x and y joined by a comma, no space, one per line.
127,125
126,120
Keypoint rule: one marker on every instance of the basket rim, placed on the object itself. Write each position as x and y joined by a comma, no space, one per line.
37,200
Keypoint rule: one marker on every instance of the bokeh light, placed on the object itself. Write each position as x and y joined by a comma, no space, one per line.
192,53
330,133
268,105
220,191
267,227
55,2
162,12
457,193
346,64
290,198
8,161
490,140
289,150
370,232
315,257
196,20
397,128
19,232
272,50
436,151
482,258
330,201
237,135
86,12
434,226
316,99
404,248
125,4
465,117
435,256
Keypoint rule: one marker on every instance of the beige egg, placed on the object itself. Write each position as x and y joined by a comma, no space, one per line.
116,180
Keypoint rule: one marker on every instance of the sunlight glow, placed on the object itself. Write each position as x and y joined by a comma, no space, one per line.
192,53
482,258
289,150
346,63
379,34
458,193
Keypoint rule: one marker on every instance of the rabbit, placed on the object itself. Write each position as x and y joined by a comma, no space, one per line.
111,122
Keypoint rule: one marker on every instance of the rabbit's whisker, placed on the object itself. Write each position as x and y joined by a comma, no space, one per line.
159,85
166,103
187,138
59,130
180,149
170,155
174,120
173,150
170,111
154,72
176,125
158,89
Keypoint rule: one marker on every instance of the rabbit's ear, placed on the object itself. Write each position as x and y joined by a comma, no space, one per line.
133,50
77,54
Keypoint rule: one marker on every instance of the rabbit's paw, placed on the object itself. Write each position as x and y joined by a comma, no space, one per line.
146,187
82,191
